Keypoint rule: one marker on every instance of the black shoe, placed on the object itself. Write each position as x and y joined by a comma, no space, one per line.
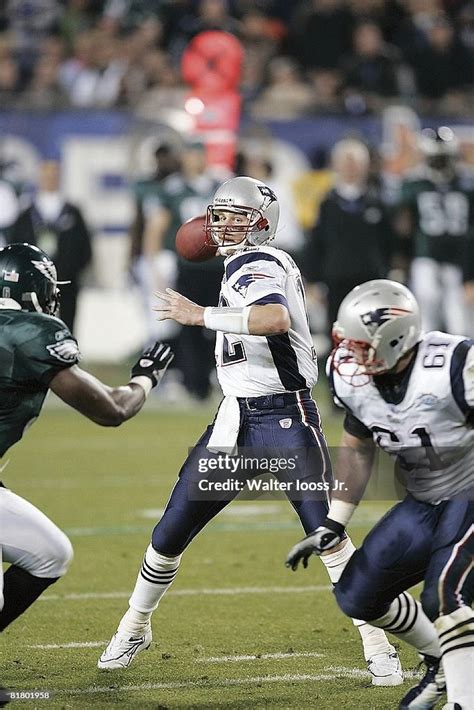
429,690
4,697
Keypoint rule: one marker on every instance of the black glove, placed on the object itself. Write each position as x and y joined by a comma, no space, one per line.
153,362
322,539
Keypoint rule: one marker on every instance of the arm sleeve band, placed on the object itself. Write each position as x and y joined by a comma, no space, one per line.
341,511
229,320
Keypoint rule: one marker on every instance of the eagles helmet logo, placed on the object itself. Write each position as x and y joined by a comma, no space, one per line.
372,320
47,268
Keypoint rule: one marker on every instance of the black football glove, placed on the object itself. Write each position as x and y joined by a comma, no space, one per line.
321,540
153,362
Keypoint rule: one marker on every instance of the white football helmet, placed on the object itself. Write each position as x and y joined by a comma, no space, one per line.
243,195
377,323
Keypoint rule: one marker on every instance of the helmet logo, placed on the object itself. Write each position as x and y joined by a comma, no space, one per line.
268,194
47,268
372,320
243,282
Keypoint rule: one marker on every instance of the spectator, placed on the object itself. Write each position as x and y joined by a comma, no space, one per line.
57,227
327,86
44,90
351,241
444,67
320,33
286,96
29,24
371,70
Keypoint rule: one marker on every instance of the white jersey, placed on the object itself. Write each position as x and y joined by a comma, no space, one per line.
255,365
428,431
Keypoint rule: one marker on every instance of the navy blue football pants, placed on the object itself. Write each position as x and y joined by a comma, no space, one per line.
413,542
286,424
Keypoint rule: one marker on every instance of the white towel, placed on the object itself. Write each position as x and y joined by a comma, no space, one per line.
226,427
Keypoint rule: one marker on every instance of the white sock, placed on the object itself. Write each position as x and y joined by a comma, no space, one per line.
155,577
455,631
373,640
407,620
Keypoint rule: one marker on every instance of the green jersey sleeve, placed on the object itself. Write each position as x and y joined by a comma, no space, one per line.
46,347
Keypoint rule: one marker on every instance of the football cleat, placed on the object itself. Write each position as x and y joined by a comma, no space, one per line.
122,650
429,690
385,668
451,706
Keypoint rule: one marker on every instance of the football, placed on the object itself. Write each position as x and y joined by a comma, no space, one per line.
192,242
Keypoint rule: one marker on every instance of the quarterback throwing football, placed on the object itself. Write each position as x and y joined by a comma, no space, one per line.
266,367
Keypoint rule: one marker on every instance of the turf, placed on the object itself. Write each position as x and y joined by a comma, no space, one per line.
105,489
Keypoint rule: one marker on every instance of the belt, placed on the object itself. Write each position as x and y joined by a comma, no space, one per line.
273,401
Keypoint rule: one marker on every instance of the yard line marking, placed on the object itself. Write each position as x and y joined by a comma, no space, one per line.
172,685
71,644
259,657
226,591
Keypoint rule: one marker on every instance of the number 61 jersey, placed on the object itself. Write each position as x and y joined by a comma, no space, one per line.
430,431
255,365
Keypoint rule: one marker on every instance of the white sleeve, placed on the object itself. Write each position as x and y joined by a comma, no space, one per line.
260,282
468,378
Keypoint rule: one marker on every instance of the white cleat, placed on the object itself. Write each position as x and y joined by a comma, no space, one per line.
122,650
385,668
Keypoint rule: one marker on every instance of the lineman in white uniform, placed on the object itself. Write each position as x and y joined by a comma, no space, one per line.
266,366
411,394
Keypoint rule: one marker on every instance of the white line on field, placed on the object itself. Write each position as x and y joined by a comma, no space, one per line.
72,644
286,678
226,591
258,657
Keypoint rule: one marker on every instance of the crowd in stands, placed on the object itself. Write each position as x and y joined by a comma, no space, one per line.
300,57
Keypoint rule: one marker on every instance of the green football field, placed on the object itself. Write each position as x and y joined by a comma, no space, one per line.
237,629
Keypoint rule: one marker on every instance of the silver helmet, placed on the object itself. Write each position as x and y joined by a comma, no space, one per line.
250,197
377,323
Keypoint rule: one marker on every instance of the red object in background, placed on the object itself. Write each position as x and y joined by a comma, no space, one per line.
192,242
212,62
216,120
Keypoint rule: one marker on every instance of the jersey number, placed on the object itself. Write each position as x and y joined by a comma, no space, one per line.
443,214
434,461
232,351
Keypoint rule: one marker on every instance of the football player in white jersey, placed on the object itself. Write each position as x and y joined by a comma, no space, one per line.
266,366
412,394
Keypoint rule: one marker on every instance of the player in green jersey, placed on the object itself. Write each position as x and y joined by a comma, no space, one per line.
38,353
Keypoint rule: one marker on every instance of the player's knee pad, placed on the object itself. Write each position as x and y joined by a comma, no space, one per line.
430,602
355,604
167,540
55,560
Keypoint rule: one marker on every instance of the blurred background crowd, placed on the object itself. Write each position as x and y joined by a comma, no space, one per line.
301,57
358,113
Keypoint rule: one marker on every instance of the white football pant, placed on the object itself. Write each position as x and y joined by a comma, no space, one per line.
30,540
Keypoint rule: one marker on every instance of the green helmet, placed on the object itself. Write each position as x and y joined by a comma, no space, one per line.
28,278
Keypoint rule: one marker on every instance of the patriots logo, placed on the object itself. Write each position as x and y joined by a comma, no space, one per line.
376,318
268,194
243,282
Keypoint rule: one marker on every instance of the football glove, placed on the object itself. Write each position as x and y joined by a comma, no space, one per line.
322,539
153,362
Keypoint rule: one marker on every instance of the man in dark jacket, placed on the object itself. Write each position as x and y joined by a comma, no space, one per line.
351,241
57,227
